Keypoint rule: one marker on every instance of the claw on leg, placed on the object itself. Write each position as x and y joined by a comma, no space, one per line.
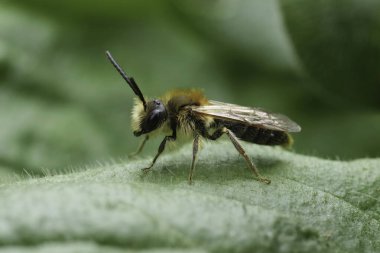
264,180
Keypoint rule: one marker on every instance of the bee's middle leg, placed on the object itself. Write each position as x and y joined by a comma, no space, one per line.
195,152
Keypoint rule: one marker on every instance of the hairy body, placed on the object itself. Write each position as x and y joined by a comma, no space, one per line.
191,113
184,115
182,119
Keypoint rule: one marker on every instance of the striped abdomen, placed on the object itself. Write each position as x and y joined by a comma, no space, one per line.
258,135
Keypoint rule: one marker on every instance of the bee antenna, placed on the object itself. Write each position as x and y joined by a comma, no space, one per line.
129,80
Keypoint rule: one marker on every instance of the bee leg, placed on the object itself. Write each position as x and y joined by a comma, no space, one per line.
240,149
140,148
161,149
195,152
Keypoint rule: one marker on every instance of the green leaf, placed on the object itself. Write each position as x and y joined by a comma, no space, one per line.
338,45
312,205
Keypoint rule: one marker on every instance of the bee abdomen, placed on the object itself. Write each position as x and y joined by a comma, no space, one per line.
260,136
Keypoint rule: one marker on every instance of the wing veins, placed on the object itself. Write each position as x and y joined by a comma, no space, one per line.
247,115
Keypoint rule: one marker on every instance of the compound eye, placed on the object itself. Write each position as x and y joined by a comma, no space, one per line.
154,117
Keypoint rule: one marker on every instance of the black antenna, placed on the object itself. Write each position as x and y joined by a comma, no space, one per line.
130,80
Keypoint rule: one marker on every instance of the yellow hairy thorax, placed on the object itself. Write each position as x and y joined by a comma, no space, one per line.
189,95
178,97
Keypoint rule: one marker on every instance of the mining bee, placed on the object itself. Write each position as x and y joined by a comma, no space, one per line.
189,112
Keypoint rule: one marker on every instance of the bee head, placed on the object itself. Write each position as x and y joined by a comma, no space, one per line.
146,116
145,121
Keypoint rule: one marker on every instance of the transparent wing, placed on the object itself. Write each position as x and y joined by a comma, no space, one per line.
247,115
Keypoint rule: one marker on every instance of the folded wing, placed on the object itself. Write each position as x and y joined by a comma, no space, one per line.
247,115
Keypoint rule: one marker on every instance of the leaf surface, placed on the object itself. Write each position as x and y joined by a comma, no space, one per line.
312,205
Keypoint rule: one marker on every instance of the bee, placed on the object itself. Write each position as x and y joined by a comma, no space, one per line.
188,111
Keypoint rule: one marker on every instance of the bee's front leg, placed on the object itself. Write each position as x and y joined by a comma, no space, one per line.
140,148
161,149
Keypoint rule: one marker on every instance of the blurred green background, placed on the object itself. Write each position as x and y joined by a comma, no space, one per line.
62,105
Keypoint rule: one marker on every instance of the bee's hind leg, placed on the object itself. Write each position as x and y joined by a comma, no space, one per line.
241,150
140,148
219,132
195,152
